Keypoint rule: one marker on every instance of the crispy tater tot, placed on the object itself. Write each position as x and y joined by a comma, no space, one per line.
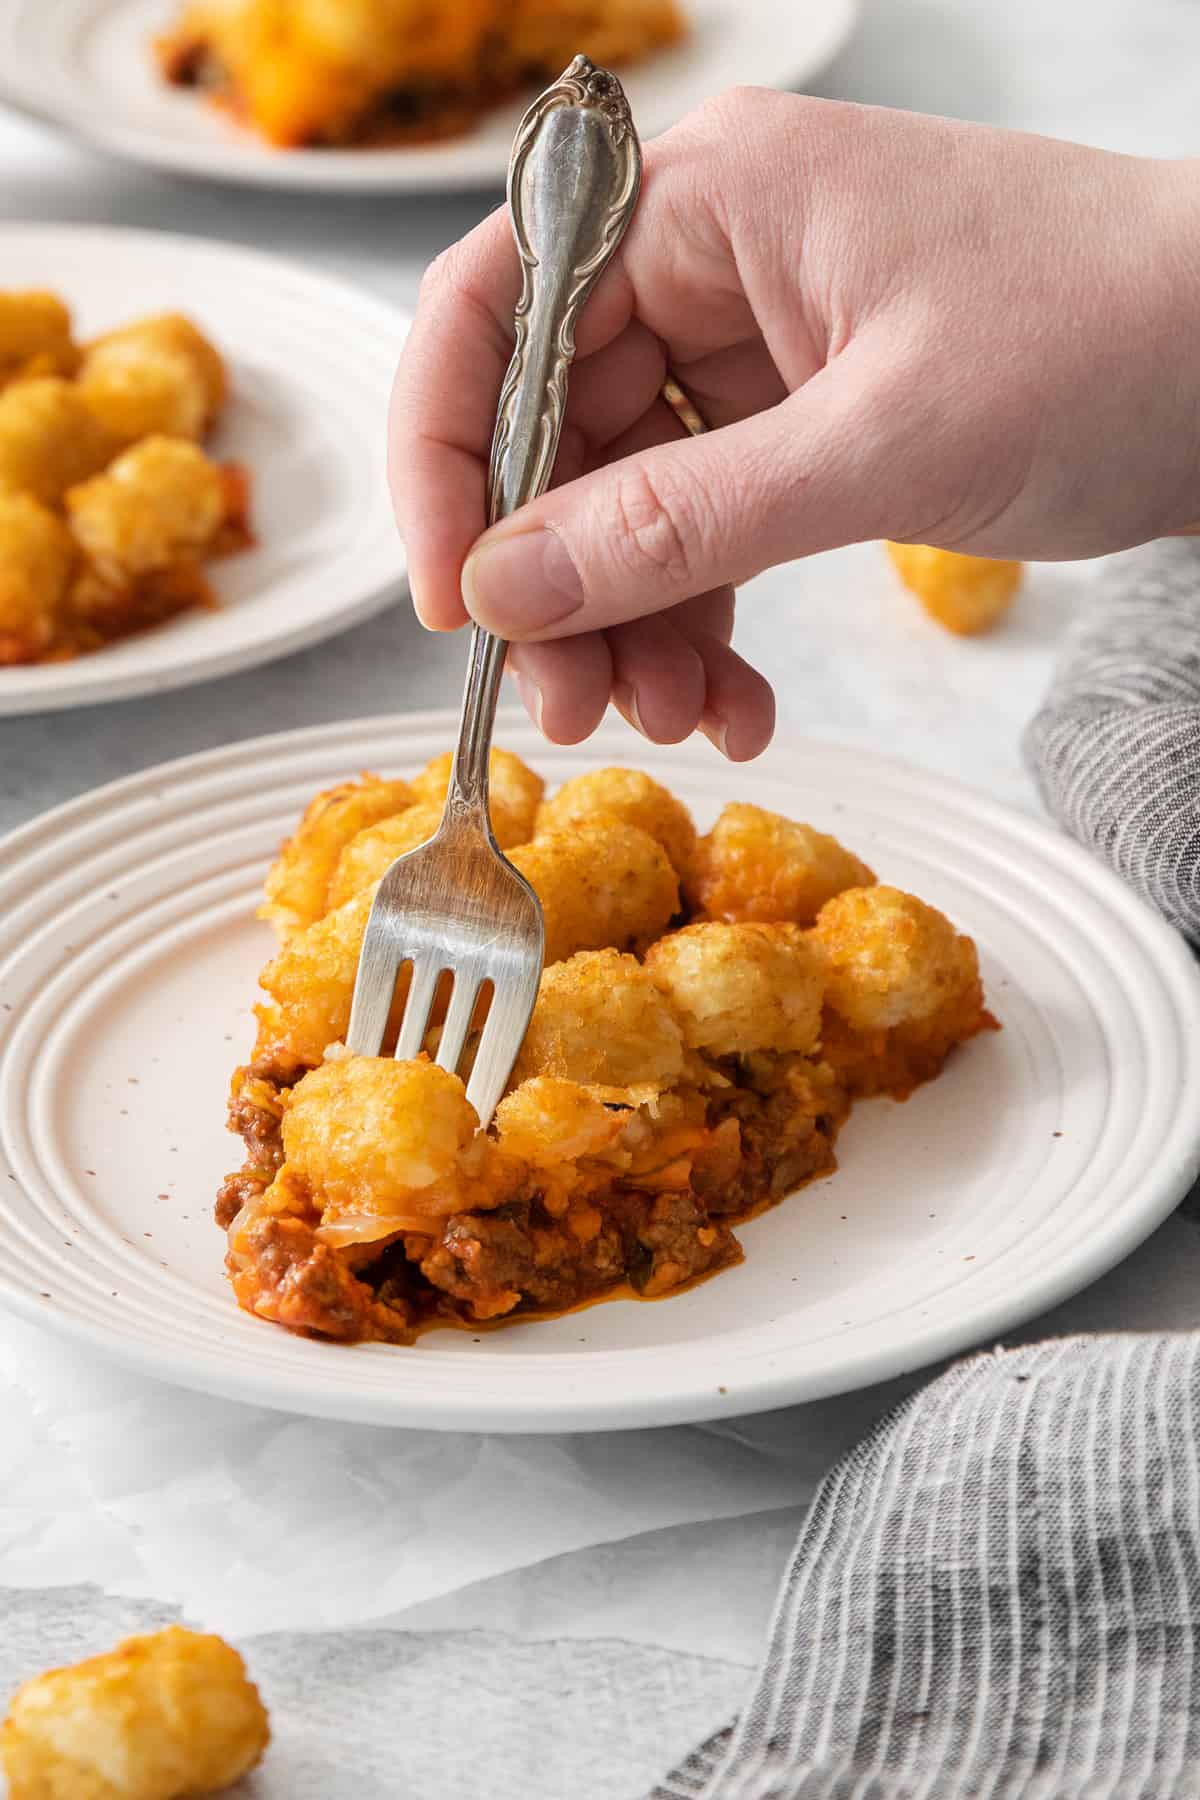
374,850
159,502
515,793
158,1718
311,984
37,556
602,883
623,794
758,865
601,1021
892,959
177,333
298,885
966,594
382,1141
741,988
49,440
35,336
548,1120
139,390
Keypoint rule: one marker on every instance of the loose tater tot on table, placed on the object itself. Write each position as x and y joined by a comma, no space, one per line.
35,336
515,793
159,1718
741,988
601,884
966,594
158,502
37,556
601,1022
49,439
624,794
297,885
757,865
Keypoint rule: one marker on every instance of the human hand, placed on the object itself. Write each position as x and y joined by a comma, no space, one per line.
898,327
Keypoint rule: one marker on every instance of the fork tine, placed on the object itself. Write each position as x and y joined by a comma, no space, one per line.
417,1008
502,1036
458,1019
374,990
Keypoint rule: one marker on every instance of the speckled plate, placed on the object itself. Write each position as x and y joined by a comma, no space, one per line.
86,66
128,957
311,361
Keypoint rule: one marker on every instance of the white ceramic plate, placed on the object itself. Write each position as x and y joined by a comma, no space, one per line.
311,361
128,957
85,65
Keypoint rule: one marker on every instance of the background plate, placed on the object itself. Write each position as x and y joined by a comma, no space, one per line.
85,65
311,361
128,957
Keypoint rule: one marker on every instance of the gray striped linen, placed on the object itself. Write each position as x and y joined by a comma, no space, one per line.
996,1595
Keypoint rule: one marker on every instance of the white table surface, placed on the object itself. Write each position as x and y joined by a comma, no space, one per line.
854,661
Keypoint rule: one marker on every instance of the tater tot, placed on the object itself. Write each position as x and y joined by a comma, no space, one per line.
966,594
892,959
49,440
515,793
600,1021
758,865
37,556
158,1718
142,390
311,984
380,1139
624,794
159,502
547,1121
175,332
298,885
740,988
372,852
602,883
35,336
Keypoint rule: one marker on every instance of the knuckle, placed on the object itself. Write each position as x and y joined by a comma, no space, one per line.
658,531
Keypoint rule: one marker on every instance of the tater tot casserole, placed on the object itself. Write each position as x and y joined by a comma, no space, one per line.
109,507
369,72
710,1008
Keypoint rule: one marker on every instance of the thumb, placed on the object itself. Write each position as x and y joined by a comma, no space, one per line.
687,517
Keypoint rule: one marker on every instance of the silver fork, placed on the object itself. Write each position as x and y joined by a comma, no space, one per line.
456,904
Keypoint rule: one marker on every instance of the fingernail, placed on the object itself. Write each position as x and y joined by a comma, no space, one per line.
531,696
717,732
521,582
626,702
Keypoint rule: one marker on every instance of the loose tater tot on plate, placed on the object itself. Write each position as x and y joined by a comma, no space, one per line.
741,988
601,884
625,794
159,502
758,865
158,1718
382,1141
298,884
515,793
35,335
548,1120
37,556
141,390
372,852
966,594
600,1021
892,959
176,333
49,440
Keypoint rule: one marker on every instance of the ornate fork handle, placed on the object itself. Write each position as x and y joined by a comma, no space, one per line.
572,188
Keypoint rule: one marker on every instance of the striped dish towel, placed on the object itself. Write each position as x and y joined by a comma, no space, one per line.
996,1596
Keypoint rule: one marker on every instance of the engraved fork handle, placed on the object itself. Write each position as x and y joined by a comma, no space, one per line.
572,188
